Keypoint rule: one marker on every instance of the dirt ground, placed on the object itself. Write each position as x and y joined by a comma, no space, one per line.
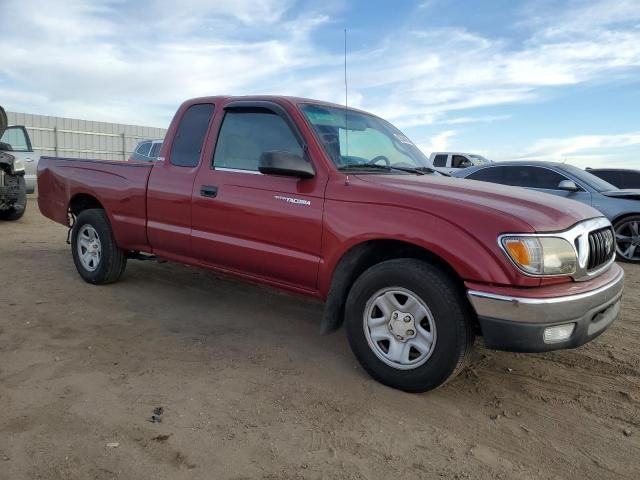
251,390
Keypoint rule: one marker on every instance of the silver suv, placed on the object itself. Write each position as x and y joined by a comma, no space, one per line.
18,138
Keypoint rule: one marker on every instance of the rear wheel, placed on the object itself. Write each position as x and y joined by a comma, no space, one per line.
95,253
628,239
409,325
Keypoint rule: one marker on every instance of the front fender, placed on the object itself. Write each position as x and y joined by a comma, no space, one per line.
471,251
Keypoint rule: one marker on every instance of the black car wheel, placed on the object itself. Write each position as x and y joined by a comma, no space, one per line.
628,239
409,325
95,253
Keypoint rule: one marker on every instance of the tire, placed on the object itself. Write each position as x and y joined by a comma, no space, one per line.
17,211
98,261
628,228
438,307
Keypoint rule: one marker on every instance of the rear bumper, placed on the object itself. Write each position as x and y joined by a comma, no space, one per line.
30,181
518,324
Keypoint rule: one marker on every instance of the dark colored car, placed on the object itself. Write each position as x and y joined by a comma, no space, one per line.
147,151
623,178
621,207
290,192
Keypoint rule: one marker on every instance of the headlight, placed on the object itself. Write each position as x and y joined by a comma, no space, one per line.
18,165
541,255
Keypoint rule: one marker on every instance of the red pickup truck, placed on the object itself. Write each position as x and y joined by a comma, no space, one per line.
339,205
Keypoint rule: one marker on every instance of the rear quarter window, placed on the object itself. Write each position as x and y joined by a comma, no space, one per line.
189,140
143,149
490,174
611,176
440,161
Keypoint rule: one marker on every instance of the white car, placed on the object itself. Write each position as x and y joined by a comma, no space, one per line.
18,138
449,162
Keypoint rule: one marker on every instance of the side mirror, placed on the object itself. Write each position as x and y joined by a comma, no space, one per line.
5,147
568,186
285,163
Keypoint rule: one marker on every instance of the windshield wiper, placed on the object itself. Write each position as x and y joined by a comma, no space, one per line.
375,166
432,170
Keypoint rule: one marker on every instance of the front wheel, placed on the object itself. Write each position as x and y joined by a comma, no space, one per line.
16,211
95,253
628,239
409,325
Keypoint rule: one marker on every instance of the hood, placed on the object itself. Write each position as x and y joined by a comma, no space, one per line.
626,194
3,121
543,212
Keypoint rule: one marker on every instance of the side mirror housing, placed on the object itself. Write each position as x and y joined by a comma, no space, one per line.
568,186
285,163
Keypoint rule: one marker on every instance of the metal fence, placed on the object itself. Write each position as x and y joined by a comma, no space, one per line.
68,137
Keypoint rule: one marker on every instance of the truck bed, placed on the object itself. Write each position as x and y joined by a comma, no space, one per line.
119,187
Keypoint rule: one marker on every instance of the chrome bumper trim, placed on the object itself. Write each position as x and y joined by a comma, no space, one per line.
547,310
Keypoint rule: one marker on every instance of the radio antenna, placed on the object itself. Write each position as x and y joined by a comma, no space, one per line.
346,97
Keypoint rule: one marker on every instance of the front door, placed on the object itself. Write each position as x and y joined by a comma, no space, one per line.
264,226
21,149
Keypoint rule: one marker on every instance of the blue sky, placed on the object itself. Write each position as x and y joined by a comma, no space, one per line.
509,79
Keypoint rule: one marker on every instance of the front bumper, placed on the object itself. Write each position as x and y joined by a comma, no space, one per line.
518,323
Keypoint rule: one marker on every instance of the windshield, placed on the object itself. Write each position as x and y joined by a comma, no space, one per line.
598,184
479,160
354,139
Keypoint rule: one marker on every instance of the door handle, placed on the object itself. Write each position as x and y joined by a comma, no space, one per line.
208,191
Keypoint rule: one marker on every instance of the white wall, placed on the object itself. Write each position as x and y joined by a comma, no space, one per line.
68,137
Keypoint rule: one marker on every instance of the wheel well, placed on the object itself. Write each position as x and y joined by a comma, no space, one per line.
363,256
83,201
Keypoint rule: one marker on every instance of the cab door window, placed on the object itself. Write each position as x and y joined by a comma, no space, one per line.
17,138
533,177
459,161
246,134
155,149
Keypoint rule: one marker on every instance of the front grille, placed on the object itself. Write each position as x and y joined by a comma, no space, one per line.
601,247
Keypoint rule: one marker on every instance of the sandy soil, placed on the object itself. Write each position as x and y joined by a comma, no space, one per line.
251,390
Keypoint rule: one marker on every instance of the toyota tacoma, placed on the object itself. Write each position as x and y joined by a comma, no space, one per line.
339,205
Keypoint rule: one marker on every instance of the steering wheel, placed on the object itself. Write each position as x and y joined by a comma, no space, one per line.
378,158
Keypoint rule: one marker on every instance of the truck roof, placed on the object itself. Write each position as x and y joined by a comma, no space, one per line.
454,153
271,98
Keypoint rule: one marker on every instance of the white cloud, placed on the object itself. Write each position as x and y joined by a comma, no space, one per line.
480,119
138,60
585,150
438,143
